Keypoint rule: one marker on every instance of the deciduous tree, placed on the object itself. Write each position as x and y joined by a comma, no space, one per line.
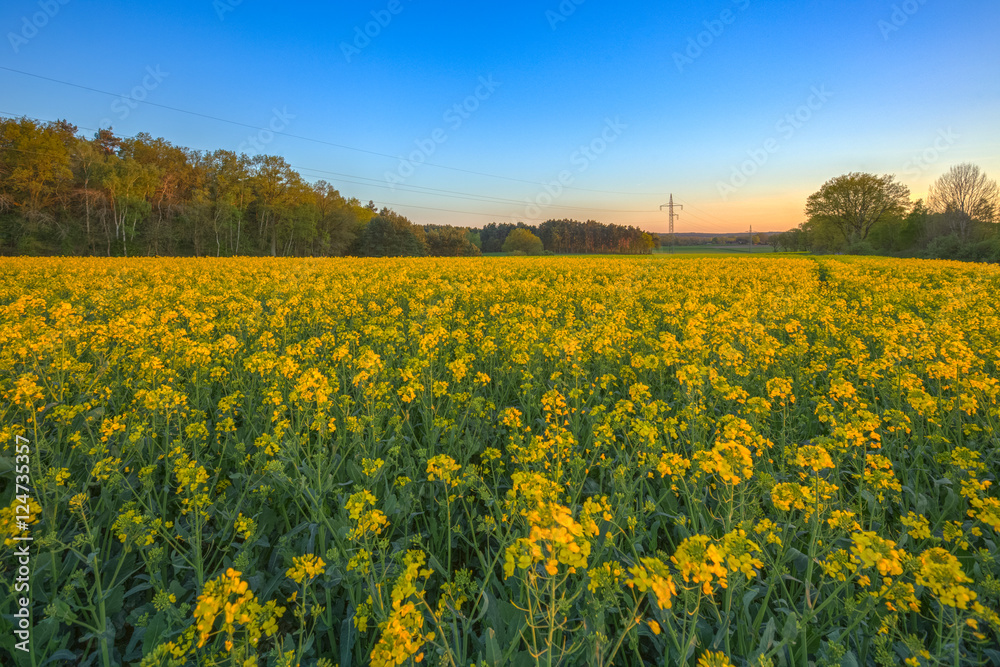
521,239
965,194
391,235
854,203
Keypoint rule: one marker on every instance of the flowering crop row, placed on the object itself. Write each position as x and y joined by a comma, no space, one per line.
739,461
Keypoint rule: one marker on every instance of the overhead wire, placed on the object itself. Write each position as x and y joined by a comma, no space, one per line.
415,189
309,139
377,183
456,194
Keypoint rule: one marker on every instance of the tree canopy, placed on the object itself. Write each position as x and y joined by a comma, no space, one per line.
965,194
392,235
448,241
854,203
958,222
66,194
522,240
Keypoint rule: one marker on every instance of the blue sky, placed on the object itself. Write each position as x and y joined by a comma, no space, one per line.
740,108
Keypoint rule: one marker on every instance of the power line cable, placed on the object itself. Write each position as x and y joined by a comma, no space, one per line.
689,205
432,191
310,139
456,194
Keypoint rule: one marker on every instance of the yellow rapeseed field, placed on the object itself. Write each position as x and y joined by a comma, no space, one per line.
501,461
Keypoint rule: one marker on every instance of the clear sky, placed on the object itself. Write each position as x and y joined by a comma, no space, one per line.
740,108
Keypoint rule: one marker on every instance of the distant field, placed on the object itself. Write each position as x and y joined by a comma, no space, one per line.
680,250
601,461
715,249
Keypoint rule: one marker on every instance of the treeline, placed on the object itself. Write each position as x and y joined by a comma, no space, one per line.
571,236
63,194
867,214
920,233
66,194
703,239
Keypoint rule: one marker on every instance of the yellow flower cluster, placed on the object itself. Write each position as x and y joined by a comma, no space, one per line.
870,550
809,498
653,575
443,468
941,572
245,527
731,461
402,634
231,598
714,659
305,567
555,538
13,514
624,435
192,483
919,528
700,559
366,521
813,457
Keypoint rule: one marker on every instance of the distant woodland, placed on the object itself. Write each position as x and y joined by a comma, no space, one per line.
62,193
65,194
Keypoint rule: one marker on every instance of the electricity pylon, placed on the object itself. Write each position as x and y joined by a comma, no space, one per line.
673,216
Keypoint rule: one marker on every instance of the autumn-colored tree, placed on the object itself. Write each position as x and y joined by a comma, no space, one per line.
64,193
36,177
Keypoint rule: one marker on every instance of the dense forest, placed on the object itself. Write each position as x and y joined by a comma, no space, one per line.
65,194
867,214
570,236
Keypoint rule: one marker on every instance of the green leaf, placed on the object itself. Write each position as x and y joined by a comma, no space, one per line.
134,650
720,635
113,600
347,640
791,629
799,559
436,564
493,654
767,637
64,610
749,597
137,588
61,654
154,633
